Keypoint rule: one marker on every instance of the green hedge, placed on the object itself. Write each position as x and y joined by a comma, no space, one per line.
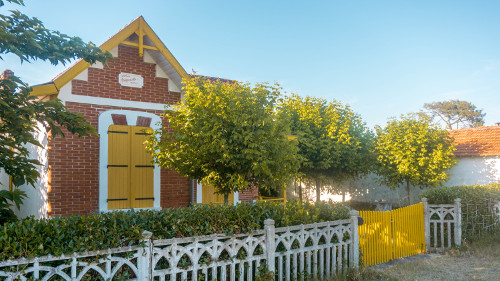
65,235
475,210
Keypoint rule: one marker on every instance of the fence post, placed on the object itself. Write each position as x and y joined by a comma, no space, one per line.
458,222
355,239
427,225
270,244
144,266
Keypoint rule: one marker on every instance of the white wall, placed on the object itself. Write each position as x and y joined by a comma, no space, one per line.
468,171
475,170
36,203
4,180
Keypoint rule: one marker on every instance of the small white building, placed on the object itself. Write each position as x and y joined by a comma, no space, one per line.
478,155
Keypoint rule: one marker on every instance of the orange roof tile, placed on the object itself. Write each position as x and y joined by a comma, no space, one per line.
483,141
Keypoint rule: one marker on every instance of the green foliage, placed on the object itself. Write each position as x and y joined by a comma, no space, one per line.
28,38
7,200
23,116
227,135
414,151
476,201
467,193
456,113
333,140
30,237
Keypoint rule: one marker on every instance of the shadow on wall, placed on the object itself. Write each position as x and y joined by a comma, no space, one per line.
368,189
475,170
469,171
36,203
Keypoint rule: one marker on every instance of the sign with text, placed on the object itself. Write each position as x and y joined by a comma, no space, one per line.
130,80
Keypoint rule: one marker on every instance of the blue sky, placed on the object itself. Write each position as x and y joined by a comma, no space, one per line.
384,58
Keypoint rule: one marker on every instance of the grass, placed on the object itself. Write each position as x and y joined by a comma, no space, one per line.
364,273
479,260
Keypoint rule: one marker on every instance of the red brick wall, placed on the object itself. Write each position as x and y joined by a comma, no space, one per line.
104,82
248,195
74,162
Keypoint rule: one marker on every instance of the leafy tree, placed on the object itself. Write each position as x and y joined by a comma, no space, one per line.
333,141
23,115
227,135
456,113
414,151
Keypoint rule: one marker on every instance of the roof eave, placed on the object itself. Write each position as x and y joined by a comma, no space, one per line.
53,87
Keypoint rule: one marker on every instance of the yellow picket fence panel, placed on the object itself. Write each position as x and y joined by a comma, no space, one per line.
387,235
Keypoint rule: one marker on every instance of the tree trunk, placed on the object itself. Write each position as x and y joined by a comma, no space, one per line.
226,199
318,191
409,192
343,195
300,191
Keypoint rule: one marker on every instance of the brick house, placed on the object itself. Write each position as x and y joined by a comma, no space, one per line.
123,101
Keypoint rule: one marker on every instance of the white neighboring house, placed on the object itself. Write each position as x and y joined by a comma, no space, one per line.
478,155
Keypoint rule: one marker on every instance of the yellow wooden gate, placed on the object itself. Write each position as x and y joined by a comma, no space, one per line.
130,168
387,235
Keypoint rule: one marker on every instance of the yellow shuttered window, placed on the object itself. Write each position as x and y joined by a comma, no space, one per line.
130,168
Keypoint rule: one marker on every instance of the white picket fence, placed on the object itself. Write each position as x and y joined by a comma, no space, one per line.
319,250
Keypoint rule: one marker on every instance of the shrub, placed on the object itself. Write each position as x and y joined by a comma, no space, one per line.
477,201
7,201
65,235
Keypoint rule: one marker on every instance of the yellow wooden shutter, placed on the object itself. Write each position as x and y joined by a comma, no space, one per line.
118,167
208,195
142,169
130,168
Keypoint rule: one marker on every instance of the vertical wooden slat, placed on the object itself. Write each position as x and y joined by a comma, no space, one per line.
142,175
118,167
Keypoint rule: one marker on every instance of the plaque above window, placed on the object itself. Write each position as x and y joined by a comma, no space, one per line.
130,80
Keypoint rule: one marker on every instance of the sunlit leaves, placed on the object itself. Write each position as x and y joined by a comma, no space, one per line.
22,116
333,140
228,135
28,38
413,150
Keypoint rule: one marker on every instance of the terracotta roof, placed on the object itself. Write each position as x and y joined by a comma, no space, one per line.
483,141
